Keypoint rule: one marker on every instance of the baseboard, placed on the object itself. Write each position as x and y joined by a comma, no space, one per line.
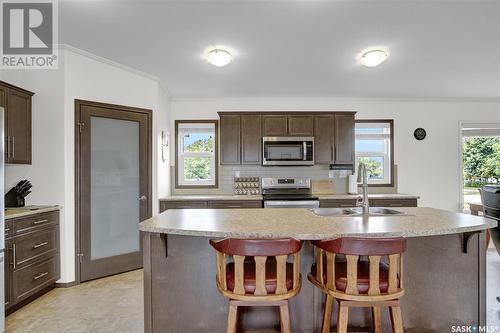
66,284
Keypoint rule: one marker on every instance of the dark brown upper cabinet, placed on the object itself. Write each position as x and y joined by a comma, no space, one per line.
274,125
323,139
344,139
17,104
230,139
241,135
251,139
301,125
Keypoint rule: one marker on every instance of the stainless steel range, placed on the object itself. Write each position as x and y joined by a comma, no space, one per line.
288,193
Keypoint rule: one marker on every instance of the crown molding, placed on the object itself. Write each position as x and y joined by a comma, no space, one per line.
335,99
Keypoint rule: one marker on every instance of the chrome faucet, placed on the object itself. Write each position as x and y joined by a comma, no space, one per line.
363,177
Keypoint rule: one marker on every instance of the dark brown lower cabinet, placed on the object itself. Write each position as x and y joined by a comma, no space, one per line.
32,264
226,204
393,202
337,203
214,204
345,203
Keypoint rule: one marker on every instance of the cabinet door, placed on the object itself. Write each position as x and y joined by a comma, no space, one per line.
344,139
274,125
300,125
19,127
3,103
8,273
393,202
337,203
234,204
188,204
230,139
251,139
323,149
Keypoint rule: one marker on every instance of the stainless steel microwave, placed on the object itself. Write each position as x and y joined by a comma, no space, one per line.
287,150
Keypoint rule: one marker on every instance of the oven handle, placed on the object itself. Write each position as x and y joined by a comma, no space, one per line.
291,203
304,146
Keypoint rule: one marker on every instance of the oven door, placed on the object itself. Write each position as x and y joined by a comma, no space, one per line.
291,204
287,151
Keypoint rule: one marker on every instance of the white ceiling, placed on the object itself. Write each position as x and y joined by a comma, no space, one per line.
304,48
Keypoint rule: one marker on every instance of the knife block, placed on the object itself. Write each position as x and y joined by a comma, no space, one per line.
12,200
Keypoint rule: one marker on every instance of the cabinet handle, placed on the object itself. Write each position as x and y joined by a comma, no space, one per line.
41,275
13,147
40,222
184,206
396,205
36,246
14,255
233,206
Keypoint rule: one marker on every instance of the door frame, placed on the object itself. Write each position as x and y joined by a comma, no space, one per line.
116,107
461,124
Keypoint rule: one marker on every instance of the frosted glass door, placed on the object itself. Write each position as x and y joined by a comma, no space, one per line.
113,165
114,187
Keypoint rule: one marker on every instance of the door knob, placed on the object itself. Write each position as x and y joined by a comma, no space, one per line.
142,198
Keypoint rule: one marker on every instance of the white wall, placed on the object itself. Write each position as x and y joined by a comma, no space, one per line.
81,76
429,168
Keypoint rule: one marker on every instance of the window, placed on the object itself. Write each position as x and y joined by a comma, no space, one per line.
196,153
374,147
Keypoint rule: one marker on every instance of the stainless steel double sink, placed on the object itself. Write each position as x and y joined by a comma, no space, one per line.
356,211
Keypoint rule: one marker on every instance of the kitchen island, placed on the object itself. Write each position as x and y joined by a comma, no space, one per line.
444,267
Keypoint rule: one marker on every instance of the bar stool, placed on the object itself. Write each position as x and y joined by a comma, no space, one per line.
259,274
357,282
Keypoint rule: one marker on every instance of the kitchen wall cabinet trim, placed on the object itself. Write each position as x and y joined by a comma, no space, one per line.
17,103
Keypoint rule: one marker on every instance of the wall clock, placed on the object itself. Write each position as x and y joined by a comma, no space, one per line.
420,134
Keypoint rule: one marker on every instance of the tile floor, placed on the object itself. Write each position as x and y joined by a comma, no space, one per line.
110,305
114,305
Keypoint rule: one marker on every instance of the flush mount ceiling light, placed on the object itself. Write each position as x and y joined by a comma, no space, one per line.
373,57
219,57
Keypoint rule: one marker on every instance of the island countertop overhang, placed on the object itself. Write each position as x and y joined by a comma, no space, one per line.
302,224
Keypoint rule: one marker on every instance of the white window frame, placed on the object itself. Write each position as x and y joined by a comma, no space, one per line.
184,127
385,154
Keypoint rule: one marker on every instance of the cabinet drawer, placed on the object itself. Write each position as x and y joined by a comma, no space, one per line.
221,204
34,246
393,202
337,203
34,222
8,229
34,277
184,204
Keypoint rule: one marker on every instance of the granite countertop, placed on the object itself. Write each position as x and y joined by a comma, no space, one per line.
303,224
259,197
11,213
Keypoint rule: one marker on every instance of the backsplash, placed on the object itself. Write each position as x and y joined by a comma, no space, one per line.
317,172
